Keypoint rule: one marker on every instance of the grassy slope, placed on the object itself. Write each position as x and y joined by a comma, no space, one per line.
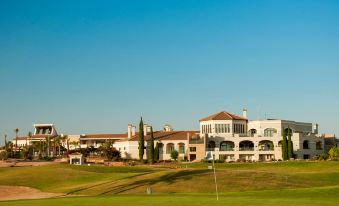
321,179
231,178
300,197
65,178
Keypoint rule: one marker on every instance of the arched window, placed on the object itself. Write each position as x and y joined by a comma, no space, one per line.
161,148
306,145
269,132
181,148
266,145
169,148
226,146
246,146
211,146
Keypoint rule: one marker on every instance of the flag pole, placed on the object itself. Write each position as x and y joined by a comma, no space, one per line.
215,179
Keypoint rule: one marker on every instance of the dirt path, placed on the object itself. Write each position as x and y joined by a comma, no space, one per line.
24,163
18,192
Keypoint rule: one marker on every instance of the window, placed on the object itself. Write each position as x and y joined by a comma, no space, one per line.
181,148
169,148
193,149
305,145
269,132
226,146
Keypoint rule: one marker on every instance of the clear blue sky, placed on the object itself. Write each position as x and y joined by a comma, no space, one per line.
95,66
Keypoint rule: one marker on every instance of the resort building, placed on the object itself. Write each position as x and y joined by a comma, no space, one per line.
223,136
41,133
231,137
228,137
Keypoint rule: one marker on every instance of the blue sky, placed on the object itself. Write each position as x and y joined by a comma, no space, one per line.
95,66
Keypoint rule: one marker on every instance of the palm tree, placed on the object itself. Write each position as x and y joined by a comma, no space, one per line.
64,139
37,146
75,144
57,143
6,142
28,138
48,141
16,130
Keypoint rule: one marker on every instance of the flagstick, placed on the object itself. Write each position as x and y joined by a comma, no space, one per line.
215,179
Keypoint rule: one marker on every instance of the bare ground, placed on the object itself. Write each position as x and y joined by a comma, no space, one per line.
19,192
14,163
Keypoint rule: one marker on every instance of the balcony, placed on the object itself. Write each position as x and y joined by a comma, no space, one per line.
247,149
226,149
266,149
196,141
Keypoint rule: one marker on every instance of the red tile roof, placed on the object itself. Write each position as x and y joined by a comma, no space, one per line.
104,136
161,135
223,116
38,136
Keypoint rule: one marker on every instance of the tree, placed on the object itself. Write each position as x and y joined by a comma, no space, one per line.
74,144
57,142
156,152
284,146
3,155
109,151
16,130
48,142
334,153
65,141
141,140
289,144
29,135
151,151
6,142
9,149
174,155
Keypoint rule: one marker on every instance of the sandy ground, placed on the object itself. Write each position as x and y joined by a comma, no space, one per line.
18,192
23,163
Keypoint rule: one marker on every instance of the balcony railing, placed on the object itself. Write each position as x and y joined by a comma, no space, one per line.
247,149
266,149
226,149
196,141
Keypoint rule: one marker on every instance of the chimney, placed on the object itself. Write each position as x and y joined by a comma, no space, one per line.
168,128
145,129
133,130
244,113
315,128
129,131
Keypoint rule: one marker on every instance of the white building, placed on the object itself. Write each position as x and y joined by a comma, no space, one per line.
232,138
41,132
222,135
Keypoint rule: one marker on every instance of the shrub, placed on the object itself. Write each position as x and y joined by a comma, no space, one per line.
174,155
46,158
334,153
3,155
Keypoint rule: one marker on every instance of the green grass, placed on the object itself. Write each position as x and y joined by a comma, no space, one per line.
282,183
65,178
301,197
